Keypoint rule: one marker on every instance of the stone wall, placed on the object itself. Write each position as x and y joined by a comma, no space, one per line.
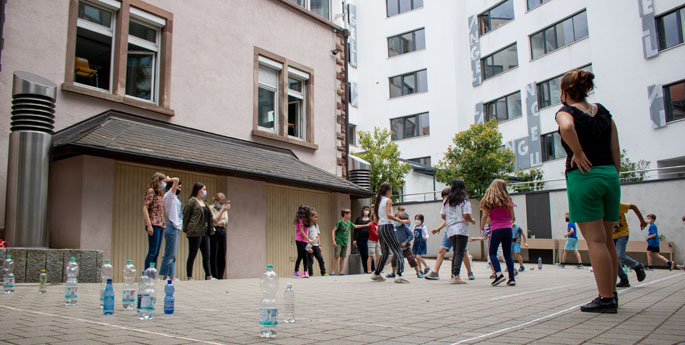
28,262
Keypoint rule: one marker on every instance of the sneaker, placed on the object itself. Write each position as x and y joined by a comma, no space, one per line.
492,276
497,280
297,275
521,269
580,266
419,275
425,271
516,273
342,274
471,276
623,283
511,282
377,277
332,274
390,275
306,275
400,280
597,306
670,265
432,276
650,268
324,274
562,265
616,298
640,273
457,280
214,278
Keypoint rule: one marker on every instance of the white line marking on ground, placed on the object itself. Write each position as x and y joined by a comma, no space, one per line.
202,309
111,325
529,292
556,313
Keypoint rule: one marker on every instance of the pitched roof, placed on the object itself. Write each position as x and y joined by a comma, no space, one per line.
127,137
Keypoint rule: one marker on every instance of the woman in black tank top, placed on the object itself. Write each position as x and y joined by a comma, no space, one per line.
590,139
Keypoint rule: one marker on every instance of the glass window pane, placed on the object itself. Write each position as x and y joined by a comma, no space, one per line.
504,60
294,84
550,40
676,102
555,91
543,95
142,31
408,84
407,42
393,8
394,47
537,45
397,126
546,147
533,4
320,7
580,29
420,39
395,86
94,14
558,148
501,109
667,28
422,81
295,118
514,105
299,2
501,14
93,59
266,108
425,128
418,4
410,127
484,23
140,74
489,111
565,32
405,5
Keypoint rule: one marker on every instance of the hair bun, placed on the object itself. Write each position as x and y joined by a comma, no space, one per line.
578,83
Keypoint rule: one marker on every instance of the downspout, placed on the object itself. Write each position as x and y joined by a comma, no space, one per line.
346,35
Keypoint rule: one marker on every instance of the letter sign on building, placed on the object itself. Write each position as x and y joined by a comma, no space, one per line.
475,50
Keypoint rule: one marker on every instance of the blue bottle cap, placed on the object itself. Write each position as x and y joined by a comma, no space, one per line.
169,281
109,281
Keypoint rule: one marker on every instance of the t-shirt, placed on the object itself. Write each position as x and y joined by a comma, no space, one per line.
454,218
373,232
313,233
518,232
572,226
653,242
500,218
298,234
382,212
420,232
155,208
594,136
621,229
361,233
343,232
174,212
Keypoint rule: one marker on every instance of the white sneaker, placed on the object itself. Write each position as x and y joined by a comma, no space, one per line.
400,280
377,277
457,280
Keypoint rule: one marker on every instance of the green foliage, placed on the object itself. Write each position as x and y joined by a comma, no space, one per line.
531,175
383,155
628,165
477,157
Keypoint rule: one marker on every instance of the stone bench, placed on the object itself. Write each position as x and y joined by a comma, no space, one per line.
28,262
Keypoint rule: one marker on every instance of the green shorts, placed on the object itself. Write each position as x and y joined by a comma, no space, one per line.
593,195
340,251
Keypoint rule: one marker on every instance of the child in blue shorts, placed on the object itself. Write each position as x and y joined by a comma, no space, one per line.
516,245
571,243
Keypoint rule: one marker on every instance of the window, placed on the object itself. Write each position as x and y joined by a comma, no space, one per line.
94,46
422,160
674,98
408,42
142,61
549,91
401,6
559,35
551,146
352,134
670,28
535,3
296,103
496,17
410,126
500,61
505,108
320,7
409,83
267,106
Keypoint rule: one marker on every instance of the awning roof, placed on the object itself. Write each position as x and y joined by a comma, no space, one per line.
128,137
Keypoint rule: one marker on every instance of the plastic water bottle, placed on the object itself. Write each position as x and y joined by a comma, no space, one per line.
149,312
128,298
8,275
71,287
268,308
289,298
142,296
108,307
42,282
471,262
151,272
107,272
539,263
169,298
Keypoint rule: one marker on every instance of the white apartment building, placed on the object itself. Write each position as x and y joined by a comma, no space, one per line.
430,68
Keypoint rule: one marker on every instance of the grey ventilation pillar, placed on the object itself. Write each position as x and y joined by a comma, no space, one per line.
30,145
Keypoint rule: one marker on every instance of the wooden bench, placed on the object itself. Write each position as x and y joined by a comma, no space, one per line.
542,243
634,247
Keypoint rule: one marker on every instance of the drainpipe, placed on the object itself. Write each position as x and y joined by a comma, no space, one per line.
346,35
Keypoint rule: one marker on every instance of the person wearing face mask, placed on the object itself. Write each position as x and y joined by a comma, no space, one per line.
419,246
198,225
174,215
361,236
153,214
217,242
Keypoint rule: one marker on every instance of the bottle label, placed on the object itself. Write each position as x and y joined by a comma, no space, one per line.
129,296
147,303
8,283
71,292
268,316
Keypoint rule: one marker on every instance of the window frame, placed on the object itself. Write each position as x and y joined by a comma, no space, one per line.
417,123
417,160
494,102
413,7
155,52
668,103
554,25
352,134
492,55
482,15
102,30
290,69
543,152
680,21
402,77
542,2
546,81
127,9
413,32
307,5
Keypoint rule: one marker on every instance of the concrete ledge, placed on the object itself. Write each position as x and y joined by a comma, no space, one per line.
28,262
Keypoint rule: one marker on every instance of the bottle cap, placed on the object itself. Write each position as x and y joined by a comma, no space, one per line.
42,271
269,266
152,264
109,281
129,261
73,259
107,261
169,281
9,256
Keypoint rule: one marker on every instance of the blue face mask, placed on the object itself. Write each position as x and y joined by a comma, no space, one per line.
397,223
163,185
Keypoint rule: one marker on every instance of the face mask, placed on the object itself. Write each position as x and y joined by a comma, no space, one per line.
397,223
419,222
217,205
203,194
163,185
178,191
366,213
566,220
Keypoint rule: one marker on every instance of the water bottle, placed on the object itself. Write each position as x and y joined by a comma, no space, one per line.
8,275
107,272
128,299
471,262
149,312
42,282
71,287
289,298
169,298
539,263
268,308
142,297
108,306
151,272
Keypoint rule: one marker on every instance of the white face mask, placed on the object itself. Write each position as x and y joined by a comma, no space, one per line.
366,212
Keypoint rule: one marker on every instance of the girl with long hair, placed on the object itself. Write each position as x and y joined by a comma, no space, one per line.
382,210
198,224
456,211
498,211
302,223
153,214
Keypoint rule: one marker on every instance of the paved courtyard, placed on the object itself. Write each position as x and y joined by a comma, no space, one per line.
542,309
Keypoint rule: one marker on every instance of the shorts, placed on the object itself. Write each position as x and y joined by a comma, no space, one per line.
571,243
340,251
406,252
446,243
593,195
516,248
419,248
374,248
653,249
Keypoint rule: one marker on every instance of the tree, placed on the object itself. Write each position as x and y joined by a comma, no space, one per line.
637,169
531,175
477,157
383,155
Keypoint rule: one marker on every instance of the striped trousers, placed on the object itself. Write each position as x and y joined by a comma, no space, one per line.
389,242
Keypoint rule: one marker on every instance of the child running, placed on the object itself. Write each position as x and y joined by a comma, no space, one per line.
313,249
382,210
341,236
653,244
498,211
302,222
404,236
571,243
519,236
456,211
419,246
